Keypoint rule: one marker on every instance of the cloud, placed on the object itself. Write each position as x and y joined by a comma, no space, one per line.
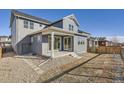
120,38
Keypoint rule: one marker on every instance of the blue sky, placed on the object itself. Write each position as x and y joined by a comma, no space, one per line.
97,22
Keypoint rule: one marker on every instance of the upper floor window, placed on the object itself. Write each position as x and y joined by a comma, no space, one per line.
25,24
71,27
31,25
40,25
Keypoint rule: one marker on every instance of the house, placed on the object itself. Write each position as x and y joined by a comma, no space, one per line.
4,41
39,36
98,41
91,42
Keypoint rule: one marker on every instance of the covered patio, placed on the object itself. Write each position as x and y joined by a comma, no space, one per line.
59,42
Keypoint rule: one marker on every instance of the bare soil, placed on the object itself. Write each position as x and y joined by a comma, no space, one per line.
106,68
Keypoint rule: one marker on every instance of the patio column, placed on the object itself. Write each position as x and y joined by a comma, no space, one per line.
52,44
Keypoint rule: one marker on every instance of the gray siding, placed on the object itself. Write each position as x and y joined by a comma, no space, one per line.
13,33
24,46
19,33
37,44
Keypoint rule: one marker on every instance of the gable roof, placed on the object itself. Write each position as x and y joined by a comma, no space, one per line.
69,16
27,16
72,16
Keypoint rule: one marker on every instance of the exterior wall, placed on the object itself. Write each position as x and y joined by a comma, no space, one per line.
19,32
22,32
67,21
24,46
80,48
14,36
45,46
36,44
4,39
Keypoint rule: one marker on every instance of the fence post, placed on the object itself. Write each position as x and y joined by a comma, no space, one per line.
0,52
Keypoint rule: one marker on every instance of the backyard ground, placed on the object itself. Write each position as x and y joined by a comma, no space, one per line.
104,68
22,69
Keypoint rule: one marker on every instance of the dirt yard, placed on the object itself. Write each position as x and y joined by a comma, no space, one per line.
27,69
106,68
103,69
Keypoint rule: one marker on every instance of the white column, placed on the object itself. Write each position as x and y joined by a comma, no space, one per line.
52,44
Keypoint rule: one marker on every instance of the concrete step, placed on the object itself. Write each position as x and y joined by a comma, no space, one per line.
75,55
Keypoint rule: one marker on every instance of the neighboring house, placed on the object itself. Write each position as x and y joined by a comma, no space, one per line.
91,42
98,41
35,35
4,40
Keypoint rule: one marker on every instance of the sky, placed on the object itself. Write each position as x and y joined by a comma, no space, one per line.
95,21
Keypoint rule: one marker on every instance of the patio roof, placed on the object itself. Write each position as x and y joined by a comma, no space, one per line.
57,30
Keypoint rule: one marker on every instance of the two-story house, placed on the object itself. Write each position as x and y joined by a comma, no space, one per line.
31,34
4,41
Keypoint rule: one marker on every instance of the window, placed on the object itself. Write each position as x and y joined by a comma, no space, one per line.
83,42
40,25
71,27
57,42
31,25
78,42
25,24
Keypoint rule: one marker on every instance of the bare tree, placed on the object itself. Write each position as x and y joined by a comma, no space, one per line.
115,41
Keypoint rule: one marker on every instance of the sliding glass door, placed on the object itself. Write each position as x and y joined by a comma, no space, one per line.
57,42
67,43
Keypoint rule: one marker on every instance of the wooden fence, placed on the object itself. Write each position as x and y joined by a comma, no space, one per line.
107,50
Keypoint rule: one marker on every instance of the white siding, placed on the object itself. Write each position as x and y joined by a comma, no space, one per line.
80,48
67,21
